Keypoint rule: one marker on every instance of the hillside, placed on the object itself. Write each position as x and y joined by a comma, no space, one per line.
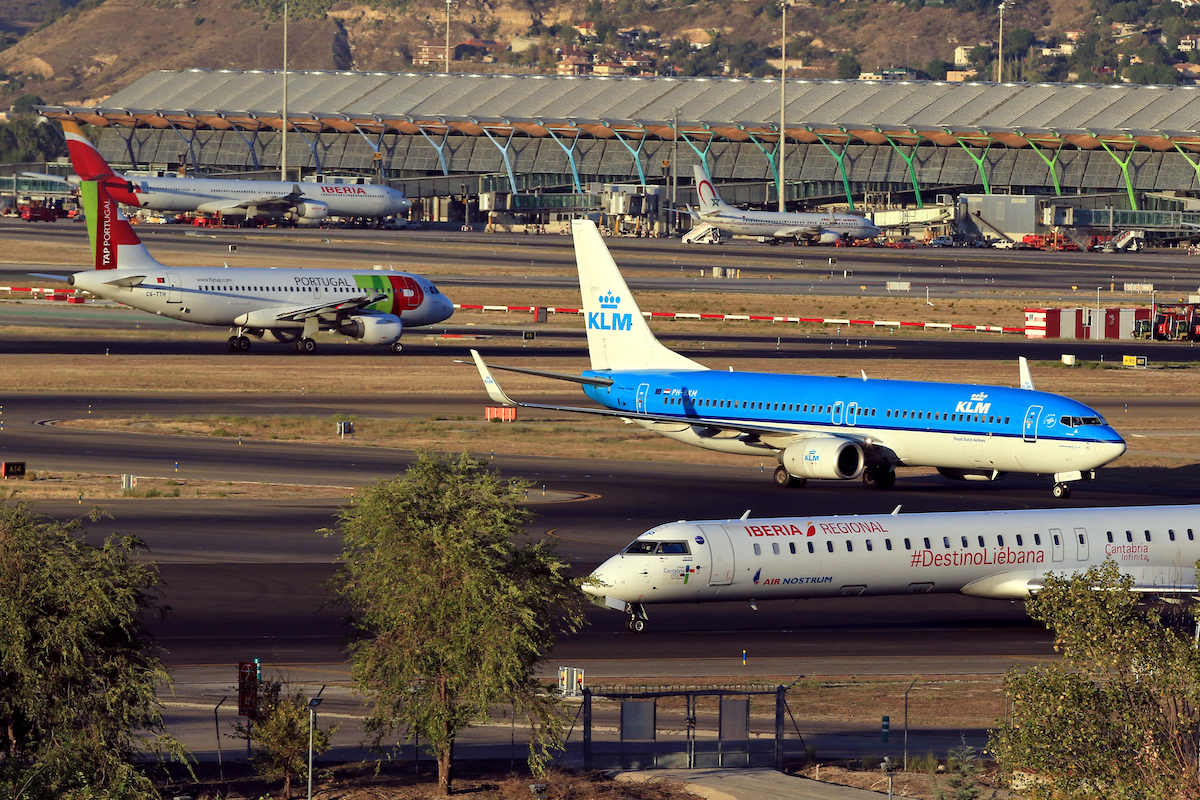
103,45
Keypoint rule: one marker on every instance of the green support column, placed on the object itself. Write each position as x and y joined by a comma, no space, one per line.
908,159
979,160
1052,163
1124,165
770,159
703,156
635,153
840,157
1195,165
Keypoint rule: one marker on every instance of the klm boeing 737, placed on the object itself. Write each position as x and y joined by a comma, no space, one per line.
817,427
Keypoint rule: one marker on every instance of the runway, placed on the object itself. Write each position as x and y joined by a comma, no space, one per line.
244,578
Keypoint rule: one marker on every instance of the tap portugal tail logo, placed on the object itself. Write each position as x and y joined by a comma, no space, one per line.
107,227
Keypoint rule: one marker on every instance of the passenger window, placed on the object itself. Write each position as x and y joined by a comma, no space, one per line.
887,413
757,549
1081,538
641,547
775,548
946,541
1147,536
1006,420
673,548
829,546
1171,534
905,416
792,547
869,547
907,544
887,543
1056,540
810,547
981,544
1129,536
927,545
1020,541
964,541
1037,539
1000,541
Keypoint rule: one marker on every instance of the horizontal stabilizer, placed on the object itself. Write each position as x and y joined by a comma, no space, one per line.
128,281
558,376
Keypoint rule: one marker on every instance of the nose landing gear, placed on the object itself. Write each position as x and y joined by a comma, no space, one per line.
637,617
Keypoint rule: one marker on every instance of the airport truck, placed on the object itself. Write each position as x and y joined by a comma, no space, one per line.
1179,322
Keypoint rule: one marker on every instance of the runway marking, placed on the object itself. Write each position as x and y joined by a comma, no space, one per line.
553,532
582,497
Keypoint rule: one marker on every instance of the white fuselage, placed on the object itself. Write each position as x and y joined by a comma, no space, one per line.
223,296
783,225
204,194
996,554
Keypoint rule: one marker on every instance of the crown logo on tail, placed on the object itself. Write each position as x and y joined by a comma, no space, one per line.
609,300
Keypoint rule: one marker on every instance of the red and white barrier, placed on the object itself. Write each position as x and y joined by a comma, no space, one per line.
876,323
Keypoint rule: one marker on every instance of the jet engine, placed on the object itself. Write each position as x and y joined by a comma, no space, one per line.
825,457
827,236
373,329
278,336
311,210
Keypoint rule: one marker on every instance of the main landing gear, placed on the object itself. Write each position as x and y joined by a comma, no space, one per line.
306,346
879,478
637,618
785,480
239,343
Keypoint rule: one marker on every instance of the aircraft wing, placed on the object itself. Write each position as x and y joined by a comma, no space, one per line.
348,305
784,434
793,231
261,201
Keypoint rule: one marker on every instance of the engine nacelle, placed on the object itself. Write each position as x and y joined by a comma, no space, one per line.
827,236
311,210
279,336
373,329
825,457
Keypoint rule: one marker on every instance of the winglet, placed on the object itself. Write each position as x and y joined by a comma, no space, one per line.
1026,378
493,389
864,373
896,511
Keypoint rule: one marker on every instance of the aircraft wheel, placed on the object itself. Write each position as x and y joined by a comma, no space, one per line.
397,347
233,343
637,625
306,346
889,479
784,479
1061,491
243,343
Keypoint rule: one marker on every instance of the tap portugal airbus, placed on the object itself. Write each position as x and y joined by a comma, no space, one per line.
819,228
817,427
303,202
275,305
996,554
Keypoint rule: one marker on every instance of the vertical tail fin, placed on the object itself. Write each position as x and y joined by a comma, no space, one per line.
114,244
710,201
85,158
618,336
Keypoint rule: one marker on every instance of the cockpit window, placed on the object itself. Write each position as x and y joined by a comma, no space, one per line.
1076,422
641,547
673,548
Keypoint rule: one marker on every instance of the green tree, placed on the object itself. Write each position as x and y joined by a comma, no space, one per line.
25,103
279,736
77,676
1119,717
963,780
847,66
452,614
936,69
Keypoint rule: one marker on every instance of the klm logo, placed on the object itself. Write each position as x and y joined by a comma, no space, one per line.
975,405
609,320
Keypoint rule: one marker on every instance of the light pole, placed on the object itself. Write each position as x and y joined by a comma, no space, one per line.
1099,319
906,691
449,4
283,121
312,722
674,221
1004,4
782,102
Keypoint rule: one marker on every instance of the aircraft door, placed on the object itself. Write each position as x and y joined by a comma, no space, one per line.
643,390
1081,541
1031,423
835,412
174,295
720,571
852,413
1056,544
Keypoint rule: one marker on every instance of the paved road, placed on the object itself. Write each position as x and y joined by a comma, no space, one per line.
244,578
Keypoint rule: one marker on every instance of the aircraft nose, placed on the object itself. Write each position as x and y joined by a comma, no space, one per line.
600,585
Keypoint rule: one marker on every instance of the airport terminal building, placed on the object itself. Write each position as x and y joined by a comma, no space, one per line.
843,142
